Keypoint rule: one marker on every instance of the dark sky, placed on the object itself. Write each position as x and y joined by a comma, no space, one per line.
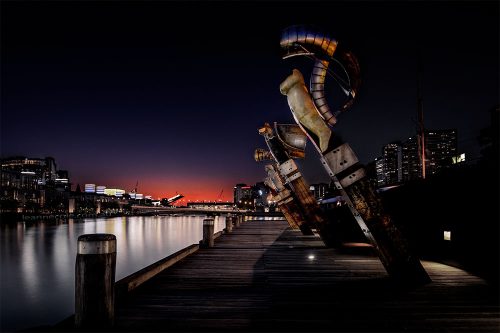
170,94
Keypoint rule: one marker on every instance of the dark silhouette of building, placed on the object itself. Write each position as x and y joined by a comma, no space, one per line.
400,161
242,192
33,185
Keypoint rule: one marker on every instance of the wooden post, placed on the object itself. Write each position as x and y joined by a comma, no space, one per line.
94,281
208,233
229,223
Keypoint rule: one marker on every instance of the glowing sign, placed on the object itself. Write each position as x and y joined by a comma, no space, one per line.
114,192
89,188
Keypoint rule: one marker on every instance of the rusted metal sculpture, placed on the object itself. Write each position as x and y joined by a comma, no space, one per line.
286,201
313,116
282,195
303,109
325,51
282,148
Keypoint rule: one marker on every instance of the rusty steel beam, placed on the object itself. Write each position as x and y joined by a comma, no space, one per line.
348,175
288,171
286,201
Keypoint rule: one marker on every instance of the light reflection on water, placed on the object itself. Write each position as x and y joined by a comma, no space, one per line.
38,261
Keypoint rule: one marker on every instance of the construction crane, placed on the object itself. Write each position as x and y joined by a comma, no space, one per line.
135,190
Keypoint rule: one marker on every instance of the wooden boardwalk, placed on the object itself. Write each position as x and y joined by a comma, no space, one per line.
265,277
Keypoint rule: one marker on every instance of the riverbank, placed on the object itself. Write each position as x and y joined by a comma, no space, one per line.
38,260
252,278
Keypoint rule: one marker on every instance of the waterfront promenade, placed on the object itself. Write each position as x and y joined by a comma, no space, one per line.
265,277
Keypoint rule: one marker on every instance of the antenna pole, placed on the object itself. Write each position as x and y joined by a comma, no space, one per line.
420,115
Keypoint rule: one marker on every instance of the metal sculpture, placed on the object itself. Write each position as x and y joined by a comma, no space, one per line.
303,109
282,148
286,201
311,42
313,115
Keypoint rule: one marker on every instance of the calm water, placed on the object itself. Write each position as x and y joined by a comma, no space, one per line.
38,261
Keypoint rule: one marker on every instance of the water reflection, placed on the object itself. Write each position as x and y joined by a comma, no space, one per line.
38,260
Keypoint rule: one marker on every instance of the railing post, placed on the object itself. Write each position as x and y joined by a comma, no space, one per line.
208,233
94,281
229,223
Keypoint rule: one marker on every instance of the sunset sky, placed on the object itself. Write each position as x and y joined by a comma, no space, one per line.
170,94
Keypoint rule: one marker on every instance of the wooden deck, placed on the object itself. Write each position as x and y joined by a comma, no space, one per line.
266,277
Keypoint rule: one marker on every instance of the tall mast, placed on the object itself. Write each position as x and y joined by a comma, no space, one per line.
420,116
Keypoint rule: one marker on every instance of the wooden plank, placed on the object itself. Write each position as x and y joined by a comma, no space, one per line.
266,277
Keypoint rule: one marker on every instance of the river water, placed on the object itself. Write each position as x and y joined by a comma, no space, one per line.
37,267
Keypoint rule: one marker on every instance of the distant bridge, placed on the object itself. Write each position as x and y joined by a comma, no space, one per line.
155,210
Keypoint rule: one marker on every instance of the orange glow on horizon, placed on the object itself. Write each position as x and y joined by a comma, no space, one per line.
196,188
208,191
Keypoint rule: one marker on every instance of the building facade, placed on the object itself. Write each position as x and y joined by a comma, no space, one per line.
241,192
33,185
400,161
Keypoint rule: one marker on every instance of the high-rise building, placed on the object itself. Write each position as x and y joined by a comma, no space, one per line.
389,167
392,163
412,166
401,162
441,146
379,171
241,191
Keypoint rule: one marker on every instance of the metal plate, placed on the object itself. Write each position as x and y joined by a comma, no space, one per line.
293,177
353,177
341,158
287,167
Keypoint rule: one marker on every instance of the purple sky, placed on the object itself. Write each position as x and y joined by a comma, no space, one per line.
170,94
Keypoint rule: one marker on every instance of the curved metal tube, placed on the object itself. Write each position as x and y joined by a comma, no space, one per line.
304,41
317,89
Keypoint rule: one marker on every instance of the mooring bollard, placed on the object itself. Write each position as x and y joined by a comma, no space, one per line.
208,233
229,223
94,281
238,221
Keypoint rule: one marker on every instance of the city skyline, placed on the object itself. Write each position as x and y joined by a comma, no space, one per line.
164,95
